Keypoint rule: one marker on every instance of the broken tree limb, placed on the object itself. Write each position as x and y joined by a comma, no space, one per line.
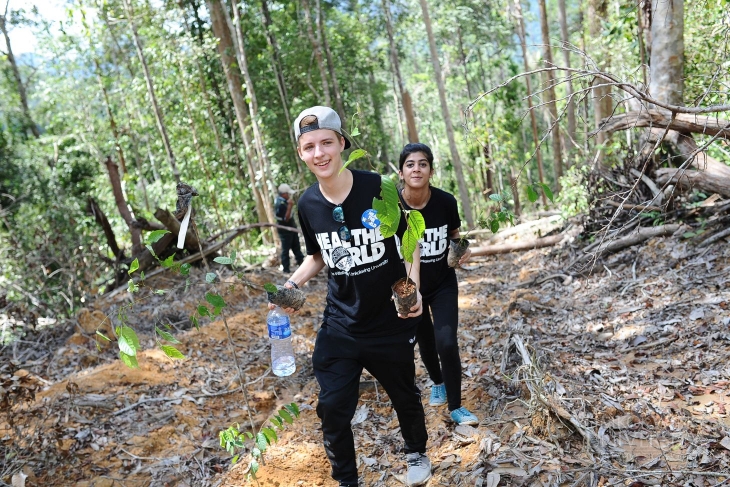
514,247
691,178
629,206
171,223
637,236
93,208
120,200
531,375
682,122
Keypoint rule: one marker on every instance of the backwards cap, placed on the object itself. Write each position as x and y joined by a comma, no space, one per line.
326,119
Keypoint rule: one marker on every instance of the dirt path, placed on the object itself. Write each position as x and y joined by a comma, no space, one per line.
636,354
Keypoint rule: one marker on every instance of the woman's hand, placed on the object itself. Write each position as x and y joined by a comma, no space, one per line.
416,309
465,257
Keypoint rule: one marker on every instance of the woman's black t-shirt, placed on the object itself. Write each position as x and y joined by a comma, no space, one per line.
442,217
361,271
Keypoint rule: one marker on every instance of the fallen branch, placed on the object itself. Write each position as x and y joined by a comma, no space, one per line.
682,122
629,206
534,376
694,179
528,245
641,234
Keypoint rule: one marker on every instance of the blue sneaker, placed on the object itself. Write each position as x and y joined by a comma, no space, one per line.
464,416
438,395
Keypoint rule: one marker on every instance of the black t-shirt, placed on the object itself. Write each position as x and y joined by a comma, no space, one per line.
361,271
281,205
441,215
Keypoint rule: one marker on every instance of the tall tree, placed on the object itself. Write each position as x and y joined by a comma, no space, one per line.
550,95
602,106
405,96
129,9
455,159
667,51
322,26
20,86
564,37
533,118
316,52
225,50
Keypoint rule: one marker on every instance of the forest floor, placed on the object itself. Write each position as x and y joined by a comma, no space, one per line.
626,381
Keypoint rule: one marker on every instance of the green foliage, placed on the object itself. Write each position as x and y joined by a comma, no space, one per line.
389,210
233,439
574,197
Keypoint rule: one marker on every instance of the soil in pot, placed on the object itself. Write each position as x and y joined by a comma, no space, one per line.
285,297
404,295
457,248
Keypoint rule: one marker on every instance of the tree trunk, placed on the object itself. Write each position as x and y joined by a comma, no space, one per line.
455,159
405,96
267,192
602,106
533,118
682,122
110,114
225,48
18,80
121,201
317,52
550,95
92,207
667,51
462,55
279,73
377,113
330,65
151,90
562,18
192,243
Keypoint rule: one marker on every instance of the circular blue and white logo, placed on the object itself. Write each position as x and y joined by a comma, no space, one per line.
370,219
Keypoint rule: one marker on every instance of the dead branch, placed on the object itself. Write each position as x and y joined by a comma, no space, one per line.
638,236
629,206
682,122
121,202
694,179
527,245
171,223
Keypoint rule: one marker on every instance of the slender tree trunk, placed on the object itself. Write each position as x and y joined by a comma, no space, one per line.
377,113
151,90
18,80
602,106
562,18
667,51
462,55
405,96
550,95
279,73
121,201
456,160
265,166
317,52
196,143
321,24
533,119
225,48
642,45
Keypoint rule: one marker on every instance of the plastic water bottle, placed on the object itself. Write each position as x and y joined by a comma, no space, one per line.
282,353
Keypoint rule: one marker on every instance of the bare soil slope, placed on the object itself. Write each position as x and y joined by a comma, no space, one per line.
625,380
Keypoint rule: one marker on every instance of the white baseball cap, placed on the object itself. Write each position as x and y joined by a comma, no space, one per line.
326,119
285,188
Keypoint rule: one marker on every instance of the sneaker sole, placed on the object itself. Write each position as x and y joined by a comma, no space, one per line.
430,476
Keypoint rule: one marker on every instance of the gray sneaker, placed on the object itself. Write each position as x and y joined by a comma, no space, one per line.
419,469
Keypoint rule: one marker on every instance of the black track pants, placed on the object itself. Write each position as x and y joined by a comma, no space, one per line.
338,361
437,339
290,241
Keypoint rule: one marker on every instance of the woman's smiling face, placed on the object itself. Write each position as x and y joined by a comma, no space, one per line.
322,150
416,170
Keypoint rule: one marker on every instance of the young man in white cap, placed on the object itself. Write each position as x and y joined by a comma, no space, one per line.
361,328
284,206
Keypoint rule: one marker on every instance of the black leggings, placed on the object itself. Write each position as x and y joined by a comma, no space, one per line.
338,361
437,339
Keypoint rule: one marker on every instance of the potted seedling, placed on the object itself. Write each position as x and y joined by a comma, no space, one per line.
390,210
285,297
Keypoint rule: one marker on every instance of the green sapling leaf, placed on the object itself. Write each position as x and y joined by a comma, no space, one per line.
494,225
355,132
276,422
210,277
292,408
185,269
215,300
262,442
133,266
531,194
172,352
103,336
128,360
546,190
495,197
166,335
286,416
354,155
169,262
203,311
156,235
270,435
270,288
223,260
